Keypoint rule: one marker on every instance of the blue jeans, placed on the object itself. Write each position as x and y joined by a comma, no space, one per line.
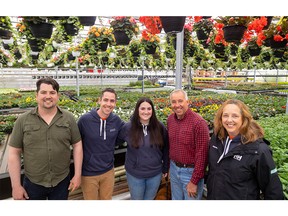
39,192
143,189
179,178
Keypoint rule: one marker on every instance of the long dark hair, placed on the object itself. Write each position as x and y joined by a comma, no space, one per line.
154,128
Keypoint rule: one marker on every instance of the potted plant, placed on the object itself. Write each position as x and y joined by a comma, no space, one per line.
35,44
5,27
266,54
234,27
149,41
277,34
124,28
191,48
71,25
173,24
40,26
135,47
101,37
254,46
202,27
87,20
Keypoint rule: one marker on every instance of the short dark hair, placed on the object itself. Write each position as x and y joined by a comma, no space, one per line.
49,81
111,90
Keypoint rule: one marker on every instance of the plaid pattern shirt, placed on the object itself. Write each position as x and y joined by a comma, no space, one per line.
189,141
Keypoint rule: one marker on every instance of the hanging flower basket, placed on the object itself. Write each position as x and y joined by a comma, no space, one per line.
41,30
173,24
71,57
190,50
87,20
35,57
266,57
219,51
17,54
254,51
103,46
278,53
105,59
150,49
219,48
277,44
234,33
6,46
36,45
71,29
121,37
202,35
135,53
5,34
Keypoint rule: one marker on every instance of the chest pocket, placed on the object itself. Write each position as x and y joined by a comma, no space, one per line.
62,131
241,166
31,134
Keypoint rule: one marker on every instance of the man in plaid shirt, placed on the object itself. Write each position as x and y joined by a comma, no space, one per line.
188,140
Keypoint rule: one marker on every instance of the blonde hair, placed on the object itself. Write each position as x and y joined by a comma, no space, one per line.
250,130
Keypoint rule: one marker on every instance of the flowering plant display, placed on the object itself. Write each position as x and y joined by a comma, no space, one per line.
279,31
23,29
152,23
234,20
149,39
101,35
125,23
188,31
253,43
202,24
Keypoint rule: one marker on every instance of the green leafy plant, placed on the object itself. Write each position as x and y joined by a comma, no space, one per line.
203,24
101,35
234,20
149,39
125,23
5,22
278,31
135,47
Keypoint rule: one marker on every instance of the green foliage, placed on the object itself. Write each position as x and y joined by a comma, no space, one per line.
5,22
276,132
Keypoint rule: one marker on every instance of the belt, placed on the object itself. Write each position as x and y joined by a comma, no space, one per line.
181,165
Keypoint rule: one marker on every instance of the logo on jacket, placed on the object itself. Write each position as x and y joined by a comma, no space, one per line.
237,157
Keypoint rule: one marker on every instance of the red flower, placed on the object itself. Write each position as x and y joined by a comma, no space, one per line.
152,23
278,38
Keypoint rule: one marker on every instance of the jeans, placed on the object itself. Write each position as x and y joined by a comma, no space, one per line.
179,178
143,189
39,192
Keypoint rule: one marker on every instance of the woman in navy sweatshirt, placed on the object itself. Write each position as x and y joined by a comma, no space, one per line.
147,151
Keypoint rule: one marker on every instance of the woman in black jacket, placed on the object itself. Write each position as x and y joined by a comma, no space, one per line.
240,166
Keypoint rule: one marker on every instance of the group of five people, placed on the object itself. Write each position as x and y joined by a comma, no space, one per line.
237,160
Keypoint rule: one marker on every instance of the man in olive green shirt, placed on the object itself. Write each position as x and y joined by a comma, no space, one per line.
44,137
